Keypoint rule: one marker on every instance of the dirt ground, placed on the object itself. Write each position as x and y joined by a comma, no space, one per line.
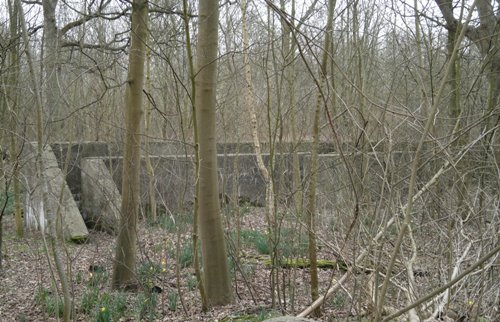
26,273
169,289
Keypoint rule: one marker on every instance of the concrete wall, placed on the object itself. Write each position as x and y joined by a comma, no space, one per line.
175,178
44,199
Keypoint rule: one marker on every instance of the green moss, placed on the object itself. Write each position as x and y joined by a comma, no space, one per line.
79,239
304,263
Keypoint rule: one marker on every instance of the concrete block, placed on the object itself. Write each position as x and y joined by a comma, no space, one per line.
59,197
101,200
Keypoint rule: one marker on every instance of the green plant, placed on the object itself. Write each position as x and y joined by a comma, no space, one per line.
257,239
105,306
103,315
147,272
52,304
173,222
186,254
90,299
119,304
145,306
167,222
79,277
110,307
291,244
172,301
265,314
98,278
192,282
338,300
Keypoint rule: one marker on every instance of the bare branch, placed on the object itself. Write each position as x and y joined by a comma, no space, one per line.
98,14
445,286
107,47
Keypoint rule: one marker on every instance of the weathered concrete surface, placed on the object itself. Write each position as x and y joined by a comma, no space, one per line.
175,179
163,148
336,180
78,151
59,197
101,200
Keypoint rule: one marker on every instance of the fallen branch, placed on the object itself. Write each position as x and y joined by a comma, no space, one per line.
336,284
445,286
446,295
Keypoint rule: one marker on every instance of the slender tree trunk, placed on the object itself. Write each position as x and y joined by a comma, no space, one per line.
420,59
1,242
414,169
196,258
14,97
3,194
125,256
147,129
55,228
250,106
486,38
311,207
216,271
51,59
288,48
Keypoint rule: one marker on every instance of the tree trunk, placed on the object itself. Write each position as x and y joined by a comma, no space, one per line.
51,59
125,256
3,195
288,48
54,220
195,237
216,272
311,207
486,38
152,207
13,96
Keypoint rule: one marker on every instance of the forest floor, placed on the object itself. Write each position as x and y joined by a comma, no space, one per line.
169,288
27,291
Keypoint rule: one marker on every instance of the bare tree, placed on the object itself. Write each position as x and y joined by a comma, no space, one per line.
216,271
125,256
484,36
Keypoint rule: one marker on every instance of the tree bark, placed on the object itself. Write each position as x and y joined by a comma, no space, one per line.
125,256
485,37
311,207
13,96
152,207
216,272
51,58
54,223
195,237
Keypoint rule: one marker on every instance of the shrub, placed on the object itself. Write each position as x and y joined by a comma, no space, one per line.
192,282
147,272
172,301
103,307
49,302
145,306
257,239
89,300
98,278
186,254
